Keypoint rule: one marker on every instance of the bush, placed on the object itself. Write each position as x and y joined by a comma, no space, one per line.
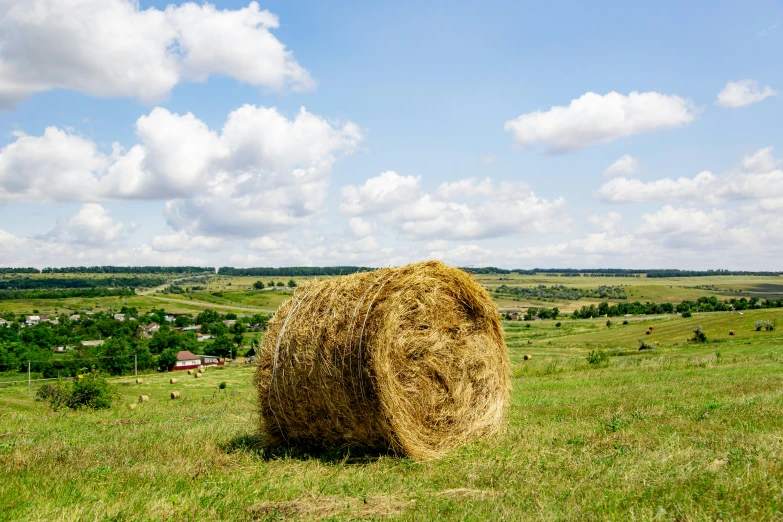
769,325
558,324
597,357
687,314
759,325
88,390
527,325
222,385
625,322
698,335
643,346
608,323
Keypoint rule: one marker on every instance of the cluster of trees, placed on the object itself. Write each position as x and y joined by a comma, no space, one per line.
259,285
34,283
8,270
122,341
702,304
293,271
563,292
543,313
6,295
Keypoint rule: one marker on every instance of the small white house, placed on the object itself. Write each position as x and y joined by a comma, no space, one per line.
97,342
4,323
186,360
119,317
75,317
32,320
169,318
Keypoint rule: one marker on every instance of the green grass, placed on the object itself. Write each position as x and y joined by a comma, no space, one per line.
683,432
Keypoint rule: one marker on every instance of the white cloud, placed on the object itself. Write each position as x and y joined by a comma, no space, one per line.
488,159
93,226
508,209
112,48
181,241
758,177
379,194
263,171
362,228
624,166
592,119
742,93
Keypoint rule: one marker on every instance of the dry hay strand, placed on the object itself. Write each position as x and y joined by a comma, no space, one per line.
409,359
175,395
173,380
527,357
139,381
144,398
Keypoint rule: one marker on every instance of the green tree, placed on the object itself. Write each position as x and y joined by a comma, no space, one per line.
222,346
291,283
258,285
182,321
167,359
207,316
271,283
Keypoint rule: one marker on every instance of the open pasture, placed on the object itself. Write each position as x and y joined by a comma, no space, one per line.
685,431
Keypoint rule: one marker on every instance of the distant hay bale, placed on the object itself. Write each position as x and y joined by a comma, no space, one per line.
648,332
529,342
651,328
144,398
132,406
173,380
139,381
527,357
197,376
190,372
175,395
409,359
201,370
731,332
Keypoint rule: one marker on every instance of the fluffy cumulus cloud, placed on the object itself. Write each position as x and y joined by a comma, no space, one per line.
624,166
114,48
464,209
742,93
757,178
92,225
594,118
261,172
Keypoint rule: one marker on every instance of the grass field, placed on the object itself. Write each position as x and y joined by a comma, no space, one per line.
682,432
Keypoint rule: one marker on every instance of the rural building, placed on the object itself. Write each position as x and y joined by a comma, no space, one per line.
32,320
210,359
75,317
230,322
97,342
152,328
203,337
186,361
194,328
119,317
169,318
4,323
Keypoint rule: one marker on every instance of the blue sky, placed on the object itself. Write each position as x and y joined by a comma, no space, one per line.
477,134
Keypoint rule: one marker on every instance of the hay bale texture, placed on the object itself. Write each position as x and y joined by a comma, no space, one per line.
409,359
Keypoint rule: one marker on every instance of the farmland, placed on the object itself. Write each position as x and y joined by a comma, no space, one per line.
682,431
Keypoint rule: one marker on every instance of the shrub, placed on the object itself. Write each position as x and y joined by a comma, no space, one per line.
769,325
222,385
698,335
644,346
527,325
687,314
625,322
88,390
759,325
558,324
608,323
597,357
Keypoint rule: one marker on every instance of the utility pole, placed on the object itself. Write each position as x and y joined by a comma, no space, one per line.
28,375
135,365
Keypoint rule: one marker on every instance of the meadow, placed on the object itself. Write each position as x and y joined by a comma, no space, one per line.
684,431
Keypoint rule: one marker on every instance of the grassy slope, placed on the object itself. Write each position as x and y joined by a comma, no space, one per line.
676,434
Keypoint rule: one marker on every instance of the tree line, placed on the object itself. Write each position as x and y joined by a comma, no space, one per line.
35,283
9,295
293,271
128,270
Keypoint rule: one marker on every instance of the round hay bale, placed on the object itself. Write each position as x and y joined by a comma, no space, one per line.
144,398
410,359
201,370
197,376
173,380
648,332
175,395
132,406
529,342
190,372
731,332
139,381
527,357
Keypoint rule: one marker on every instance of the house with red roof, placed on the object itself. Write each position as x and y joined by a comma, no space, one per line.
187,361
